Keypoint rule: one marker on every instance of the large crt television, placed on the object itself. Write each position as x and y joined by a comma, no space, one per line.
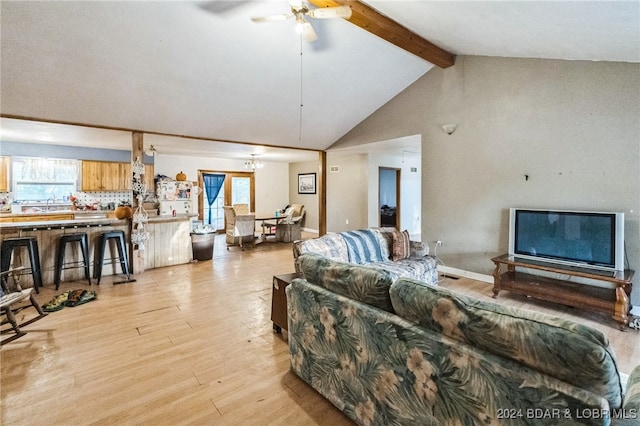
578,238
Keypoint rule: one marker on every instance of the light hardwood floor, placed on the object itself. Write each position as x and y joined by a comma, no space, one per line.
189,344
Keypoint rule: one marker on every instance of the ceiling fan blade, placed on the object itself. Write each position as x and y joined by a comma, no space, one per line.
282,17
331,12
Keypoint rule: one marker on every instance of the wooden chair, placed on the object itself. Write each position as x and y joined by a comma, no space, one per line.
239,227
12,300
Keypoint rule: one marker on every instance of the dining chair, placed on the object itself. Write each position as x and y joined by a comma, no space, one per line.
240,228
241,208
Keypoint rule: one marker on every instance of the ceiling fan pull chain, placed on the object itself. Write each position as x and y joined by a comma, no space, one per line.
301,90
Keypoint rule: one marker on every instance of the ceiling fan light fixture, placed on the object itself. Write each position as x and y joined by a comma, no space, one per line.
151,151
307,31
299,10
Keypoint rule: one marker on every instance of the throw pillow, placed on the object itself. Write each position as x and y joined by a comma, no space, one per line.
401,247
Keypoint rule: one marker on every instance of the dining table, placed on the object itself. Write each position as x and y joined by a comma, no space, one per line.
262,217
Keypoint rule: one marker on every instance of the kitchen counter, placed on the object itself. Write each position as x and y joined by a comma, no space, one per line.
169,241
176,218
48,233
85,221
56,216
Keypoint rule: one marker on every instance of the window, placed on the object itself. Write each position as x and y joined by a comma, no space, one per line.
241,191
238,188
41,179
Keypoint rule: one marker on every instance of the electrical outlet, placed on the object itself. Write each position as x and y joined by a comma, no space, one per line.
438,243
346,221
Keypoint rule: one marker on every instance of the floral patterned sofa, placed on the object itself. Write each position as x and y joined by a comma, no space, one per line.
399,352
385,249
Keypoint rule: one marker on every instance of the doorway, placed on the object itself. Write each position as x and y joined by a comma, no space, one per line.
389,196
236,188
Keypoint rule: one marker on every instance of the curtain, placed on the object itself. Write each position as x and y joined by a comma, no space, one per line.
212,185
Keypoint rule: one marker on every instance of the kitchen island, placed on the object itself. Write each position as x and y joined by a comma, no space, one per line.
169,243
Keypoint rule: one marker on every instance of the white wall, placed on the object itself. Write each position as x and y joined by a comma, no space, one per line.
352,192
571,126
272,189
310,201
347,195
410,190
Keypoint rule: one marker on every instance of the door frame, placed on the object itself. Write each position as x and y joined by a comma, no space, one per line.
398,175
227,187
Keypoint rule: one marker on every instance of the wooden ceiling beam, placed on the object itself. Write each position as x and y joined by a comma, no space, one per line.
376,23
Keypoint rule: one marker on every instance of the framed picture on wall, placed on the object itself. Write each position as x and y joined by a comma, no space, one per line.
306,183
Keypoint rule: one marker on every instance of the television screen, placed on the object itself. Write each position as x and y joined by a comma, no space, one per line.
575,237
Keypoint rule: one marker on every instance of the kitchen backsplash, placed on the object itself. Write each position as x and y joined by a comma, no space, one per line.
111,197
105,198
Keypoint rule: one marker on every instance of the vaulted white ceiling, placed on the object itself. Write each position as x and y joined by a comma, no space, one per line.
204,69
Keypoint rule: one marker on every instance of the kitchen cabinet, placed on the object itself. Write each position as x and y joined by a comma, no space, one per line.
4,174
111,176
104,176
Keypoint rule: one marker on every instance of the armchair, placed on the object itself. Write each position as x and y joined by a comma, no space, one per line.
288,227
293,214
297,216
240,228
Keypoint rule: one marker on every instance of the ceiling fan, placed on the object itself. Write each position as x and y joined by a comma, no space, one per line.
300,10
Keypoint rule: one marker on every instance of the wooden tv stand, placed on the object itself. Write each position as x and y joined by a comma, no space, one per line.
611,301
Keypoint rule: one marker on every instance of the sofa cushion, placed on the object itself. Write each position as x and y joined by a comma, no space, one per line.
571,352
365,245
361,283
330,245
422,269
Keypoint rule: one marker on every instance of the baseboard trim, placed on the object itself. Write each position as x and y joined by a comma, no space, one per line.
448,270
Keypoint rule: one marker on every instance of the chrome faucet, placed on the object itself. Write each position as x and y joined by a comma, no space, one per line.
49,199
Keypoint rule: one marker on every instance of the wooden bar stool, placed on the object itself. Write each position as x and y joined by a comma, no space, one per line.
118,236
84,247
31,243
